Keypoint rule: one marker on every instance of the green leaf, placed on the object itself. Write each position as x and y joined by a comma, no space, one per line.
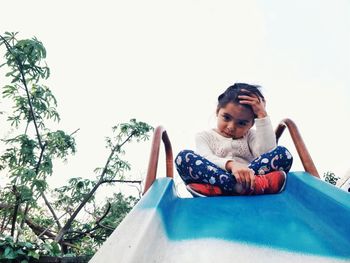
28,245
9,253
33,254
20,252
41,185
56,249
80,184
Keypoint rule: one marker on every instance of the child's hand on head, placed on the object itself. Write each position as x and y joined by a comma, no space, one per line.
243,175
257,103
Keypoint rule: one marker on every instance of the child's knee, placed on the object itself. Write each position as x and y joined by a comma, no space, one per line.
285,152
182,154
280,148
181,157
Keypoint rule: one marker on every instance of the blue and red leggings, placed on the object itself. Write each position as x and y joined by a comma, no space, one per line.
193,168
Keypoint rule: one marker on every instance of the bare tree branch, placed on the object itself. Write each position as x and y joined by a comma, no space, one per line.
52,211
74,132
98,225
122,181
15,210
39,230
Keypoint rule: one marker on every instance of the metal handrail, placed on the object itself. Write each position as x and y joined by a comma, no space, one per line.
159,134
300,146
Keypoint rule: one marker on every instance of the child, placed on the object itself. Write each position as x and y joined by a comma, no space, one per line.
234,159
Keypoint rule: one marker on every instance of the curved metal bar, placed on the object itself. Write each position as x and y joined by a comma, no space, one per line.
300,146
159,134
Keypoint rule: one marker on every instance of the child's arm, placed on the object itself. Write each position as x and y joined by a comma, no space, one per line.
202,141
263,139
258,104
242,173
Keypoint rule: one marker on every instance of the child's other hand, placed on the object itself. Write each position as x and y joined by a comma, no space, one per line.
243,175
258,104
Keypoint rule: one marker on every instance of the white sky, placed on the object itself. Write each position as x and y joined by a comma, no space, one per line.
165,62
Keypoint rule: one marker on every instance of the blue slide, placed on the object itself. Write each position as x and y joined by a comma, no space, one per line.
308,222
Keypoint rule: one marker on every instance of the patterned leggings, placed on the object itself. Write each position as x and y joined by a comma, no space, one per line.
193,168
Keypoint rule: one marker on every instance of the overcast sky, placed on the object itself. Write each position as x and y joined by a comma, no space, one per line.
165,63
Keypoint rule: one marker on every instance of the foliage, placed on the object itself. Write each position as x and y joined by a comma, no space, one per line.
11,251
31,147
89,236
25,211
119,208
331,178
115,167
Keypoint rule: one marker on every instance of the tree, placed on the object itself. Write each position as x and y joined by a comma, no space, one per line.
28,157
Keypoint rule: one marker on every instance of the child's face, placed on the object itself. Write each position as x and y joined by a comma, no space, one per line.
234,120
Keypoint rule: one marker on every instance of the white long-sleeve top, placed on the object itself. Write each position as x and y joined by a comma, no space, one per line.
219,149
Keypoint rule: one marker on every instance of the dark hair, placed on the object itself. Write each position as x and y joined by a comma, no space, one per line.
231,94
